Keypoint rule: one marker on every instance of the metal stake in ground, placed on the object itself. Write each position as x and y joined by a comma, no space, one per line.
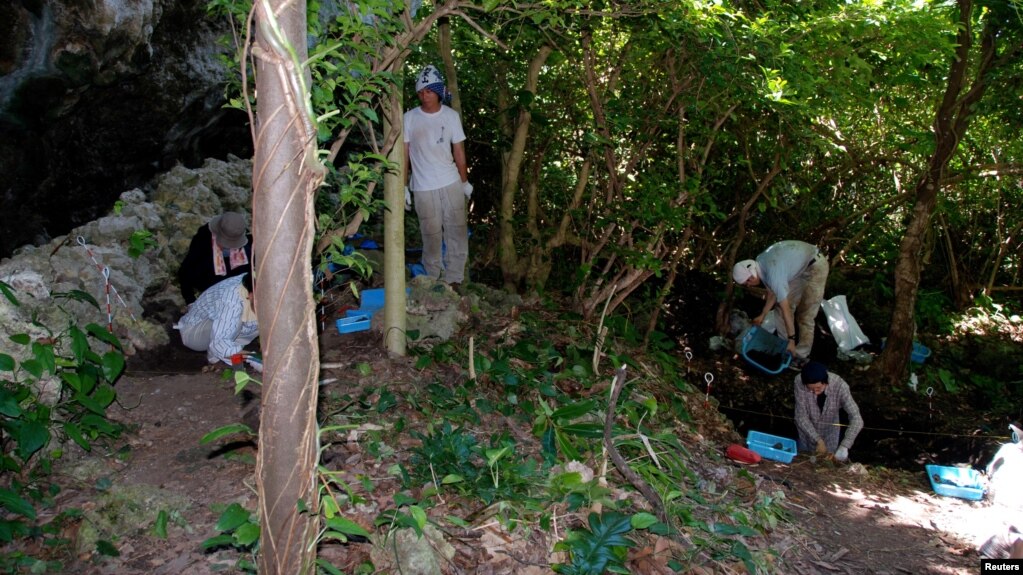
106,289
709,377
106,274
930,402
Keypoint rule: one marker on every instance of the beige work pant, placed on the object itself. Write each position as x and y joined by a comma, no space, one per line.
806,292
442,222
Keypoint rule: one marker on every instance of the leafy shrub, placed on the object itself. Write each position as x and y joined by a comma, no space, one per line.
59,390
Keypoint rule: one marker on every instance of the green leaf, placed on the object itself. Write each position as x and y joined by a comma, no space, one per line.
347,527
226,430
79,343
233,517
596,551
104,395
218,541
75,433
78,295
160,526
241,380
451,478
5,288
101,333
7,362
31,437
495,455
99,423
21,338
104,547
44,355
327,567
113,365
726,529
573,410
642,520
419,516
9,530
591,430
246,534
9,404
33,367
565,446
14,503
72,379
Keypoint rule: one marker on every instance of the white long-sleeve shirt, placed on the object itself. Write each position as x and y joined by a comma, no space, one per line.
234,323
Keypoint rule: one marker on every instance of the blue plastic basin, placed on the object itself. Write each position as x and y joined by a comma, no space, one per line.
772,447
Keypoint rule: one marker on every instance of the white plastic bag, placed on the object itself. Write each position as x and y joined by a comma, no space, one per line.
846,331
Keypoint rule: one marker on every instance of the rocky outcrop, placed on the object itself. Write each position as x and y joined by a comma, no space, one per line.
143,295
98,97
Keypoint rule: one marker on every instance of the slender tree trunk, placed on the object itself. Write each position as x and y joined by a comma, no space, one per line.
450,72
286,173
511,267
395,318
950,122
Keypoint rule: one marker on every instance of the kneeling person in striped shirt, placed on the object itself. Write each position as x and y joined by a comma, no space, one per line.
222,321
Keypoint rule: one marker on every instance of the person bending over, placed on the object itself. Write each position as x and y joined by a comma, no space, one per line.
794,274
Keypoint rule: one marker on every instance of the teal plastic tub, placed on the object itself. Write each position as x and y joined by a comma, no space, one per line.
765,351
353,323
961,482
772,447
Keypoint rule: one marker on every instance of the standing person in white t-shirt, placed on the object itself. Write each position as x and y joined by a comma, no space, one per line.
439,178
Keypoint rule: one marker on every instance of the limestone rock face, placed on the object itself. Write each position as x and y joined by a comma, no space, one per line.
95,259
98,97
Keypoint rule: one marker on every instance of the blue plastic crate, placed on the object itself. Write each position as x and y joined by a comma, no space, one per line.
920,353
354,323
772,447
771,355
371,299
961,482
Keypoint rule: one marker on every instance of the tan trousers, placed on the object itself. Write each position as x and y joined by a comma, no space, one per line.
806,292
442,222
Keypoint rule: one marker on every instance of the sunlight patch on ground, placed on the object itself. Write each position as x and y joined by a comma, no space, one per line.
970,522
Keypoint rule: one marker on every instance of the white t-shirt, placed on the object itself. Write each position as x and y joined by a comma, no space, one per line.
430,137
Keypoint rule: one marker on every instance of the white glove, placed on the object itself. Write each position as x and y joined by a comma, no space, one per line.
408,199
842,454
467,189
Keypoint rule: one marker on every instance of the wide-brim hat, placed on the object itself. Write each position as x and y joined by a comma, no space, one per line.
229,229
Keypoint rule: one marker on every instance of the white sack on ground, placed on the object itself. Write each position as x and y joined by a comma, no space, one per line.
843,325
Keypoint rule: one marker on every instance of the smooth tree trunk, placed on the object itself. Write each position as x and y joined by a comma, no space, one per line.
286,173
395,318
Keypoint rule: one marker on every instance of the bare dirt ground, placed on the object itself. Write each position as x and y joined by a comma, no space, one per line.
877,521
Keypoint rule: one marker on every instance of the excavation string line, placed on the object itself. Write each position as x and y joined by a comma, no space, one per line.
897,431
105,271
